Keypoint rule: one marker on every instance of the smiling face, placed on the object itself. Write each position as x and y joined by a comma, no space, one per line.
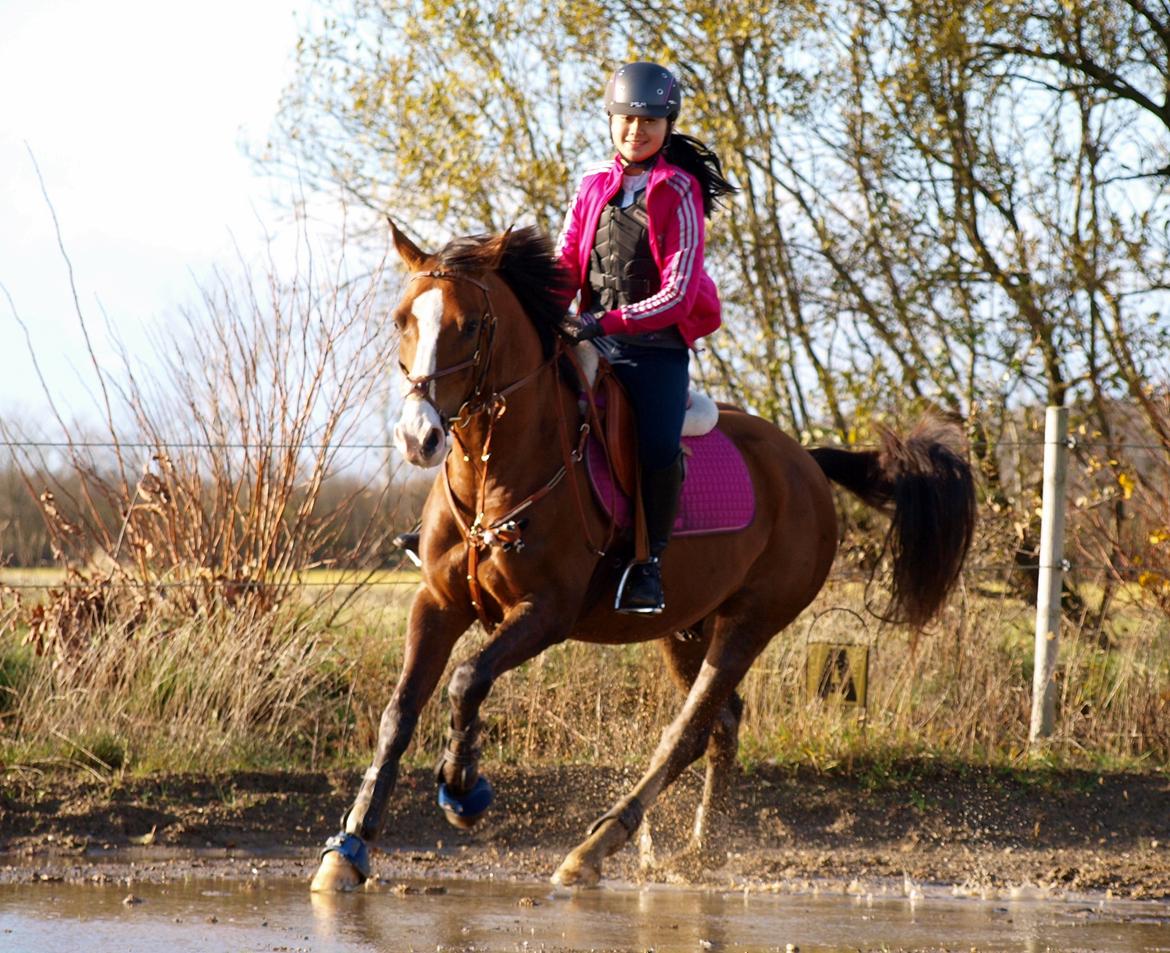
637,138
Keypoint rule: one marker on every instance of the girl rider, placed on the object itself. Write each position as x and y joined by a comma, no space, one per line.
633,246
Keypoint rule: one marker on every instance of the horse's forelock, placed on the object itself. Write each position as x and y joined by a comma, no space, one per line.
525,259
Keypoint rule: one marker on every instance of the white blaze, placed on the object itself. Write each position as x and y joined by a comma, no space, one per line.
418,417
428,315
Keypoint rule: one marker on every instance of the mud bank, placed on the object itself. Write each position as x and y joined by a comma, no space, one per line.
978,832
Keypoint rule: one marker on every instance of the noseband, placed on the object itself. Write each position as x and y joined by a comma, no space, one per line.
420,386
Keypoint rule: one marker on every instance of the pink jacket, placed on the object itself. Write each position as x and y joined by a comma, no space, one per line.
674,207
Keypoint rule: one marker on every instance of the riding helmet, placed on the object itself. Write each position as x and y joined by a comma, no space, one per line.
643,89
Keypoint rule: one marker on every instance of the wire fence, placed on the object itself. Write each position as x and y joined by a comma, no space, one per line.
1129,574
362,575
185,445
1073,443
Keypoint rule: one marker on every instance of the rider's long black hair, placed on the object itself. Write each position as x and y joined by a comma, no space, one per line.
692,156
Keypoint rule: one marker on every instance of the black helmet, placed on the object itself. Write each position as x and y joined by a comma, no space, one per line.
643,89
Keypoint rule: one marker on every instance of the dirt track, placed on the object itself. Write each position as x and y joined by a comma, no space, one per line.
978,829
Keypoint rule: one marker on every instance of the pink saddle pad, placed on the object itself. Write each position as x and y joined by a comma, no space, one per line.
717,494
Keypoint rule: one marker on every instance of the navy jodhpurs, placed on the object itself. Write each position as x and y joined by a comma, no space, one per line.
656,379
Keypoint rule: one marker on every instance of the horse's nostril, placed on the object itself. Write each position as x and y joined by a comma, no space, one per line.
431,444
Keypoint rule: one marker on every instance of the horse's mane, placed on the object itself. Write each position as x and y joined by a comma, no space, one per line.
527,262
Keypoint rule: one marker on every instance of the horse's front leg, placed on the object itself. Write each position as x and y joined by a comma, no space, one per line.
432,632
528,628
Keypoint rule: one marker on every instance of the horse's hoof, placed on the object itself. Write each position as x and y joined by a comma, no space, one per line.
459,821
574,872
464,810
335,875
345,864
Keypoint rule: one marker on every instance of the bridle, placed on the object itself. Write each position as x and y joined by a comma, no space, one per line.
506,530
481,358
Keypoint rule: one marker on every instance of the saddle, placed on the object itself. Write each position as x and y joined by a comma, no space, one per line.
617,432
717,494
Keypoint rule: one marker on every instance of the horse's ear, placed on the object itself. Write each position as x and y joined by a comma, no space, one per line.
501,247
408,251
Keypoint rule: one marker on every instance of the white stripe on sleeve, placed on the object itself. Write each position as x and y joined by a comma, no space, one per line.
675,291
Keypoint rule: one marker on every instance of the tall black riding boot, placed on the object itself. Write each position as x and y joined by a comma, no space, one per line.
640,589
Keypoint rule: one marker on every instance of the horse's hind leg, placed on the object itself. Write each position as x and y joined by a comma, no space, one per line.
684,659
726,662
722,748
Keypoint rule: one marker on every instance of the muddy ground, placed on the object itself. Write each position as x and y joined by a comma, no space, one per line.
978,829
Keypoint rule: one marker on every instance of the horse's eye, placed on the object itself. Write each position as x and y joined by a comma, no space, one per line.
471,327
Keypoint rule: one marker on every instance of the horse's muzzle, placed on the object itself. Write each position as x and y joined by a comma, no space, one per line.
420,435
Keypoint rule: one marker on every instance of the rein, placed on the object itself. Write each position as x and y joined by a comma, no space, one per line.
505,531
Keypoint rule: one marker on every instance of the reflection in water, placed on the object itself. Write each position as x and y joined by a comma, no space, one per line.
281,914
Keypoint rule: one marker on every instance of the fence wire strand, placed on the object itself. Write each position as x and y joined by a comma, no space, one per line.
837,575
1039,442
842,575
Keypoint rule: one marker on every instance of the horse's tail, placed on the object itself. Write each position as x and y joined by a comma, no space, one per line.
927,480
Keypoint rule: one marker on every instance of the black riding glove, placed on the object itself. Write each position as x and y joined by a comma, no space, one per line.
583,326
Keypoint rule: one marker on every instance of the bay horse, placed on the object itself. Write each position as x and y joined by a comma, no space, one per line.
512,536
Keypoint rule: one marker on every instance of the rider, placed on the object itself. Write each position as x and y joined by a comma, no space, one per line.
633,247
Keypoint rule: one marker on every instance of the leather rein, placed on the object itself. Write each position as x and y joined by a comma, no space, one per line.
505,532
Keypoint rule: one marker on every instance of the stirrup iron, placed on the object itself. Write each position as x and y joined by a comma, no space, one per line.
647,608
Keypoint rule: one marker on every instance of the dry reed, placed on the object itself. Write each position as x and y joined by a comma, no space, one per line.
290,690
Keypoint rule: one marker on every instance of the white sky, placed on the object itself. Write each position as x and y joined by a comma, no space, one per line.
135,111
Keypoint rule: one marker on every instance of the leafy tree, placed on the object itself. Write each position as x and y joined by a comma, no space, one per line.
451,116
942,202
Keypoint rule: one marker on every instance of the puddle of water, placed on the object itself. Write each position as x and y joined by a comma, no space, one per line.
281,915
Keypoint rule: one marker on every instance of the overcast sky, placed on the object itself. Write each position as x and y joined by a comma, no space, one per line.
135,111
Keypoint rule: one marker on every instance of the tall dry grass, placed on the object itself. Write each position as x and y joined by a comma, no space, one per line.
196,695
289,690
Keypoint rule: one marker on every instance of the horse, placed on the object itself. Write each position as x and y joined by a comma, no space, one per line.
511,536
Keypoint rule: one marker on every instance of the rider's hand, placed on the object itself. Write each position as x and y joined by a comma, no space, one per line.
583,326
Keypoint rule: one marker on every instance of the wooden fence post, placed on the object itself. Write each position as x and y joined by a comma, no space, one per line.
1051,573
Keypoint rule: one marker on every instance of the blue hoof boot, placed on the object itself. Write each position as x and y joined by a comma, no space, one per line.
353,849
463,811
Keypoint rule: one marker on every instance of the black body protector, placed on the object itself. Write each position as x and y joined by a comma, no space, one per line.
623,272
621,269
